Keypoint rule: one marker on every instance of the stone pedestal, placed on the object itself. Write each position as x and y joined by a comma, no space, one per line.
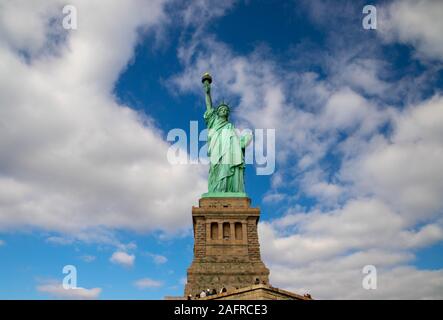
226,247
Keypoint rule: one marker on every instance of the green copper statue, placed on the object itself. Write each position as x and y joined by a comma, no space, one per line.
226,150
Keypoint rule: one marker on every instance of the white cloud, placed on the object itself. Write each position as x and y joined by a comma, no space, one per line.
416,23
324,253
56,290
95,235
302,238
59,240
88,258
405,170
2,243
183,281
364,75
199,12
123,258
30,33
147,283
315,185
158,259
325,281
128,246
346,110
273,197
72,158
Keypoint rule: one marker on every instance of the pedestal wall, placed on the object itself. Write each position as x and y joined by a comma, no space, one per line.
226,246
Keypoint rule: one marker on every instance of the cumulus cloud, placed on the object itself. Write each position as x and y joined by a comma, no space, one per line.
91,235
59,240
122,258
88,258
415,23
146,283
72,158
327,234
199,12
405,169
30,33
158,258
324,253
55,290
325,281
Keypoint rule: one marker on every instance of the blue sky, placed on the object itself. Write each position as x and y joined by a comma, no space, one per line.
84,177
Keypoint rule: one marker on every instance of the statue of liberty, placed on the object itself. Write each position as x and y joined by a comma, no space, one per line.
226,150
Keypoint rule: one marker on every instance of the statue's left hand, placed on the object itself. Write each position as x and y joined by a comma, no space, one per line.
245,140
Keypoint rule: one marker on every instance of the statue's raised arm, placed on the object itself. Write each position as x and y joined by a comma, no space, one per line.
207,80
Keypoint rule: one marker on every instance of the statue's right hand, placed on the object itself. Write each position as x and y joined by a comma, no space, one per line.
207,88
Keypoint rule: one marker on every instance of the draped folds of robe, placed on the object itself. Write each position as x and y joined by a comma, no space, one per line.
226,155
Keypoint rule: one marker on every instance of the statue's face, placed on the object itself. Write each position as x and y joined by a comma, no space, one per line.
223,112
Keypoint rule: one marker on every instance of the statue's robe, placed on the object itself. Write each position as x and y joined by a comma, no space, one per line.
226,155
